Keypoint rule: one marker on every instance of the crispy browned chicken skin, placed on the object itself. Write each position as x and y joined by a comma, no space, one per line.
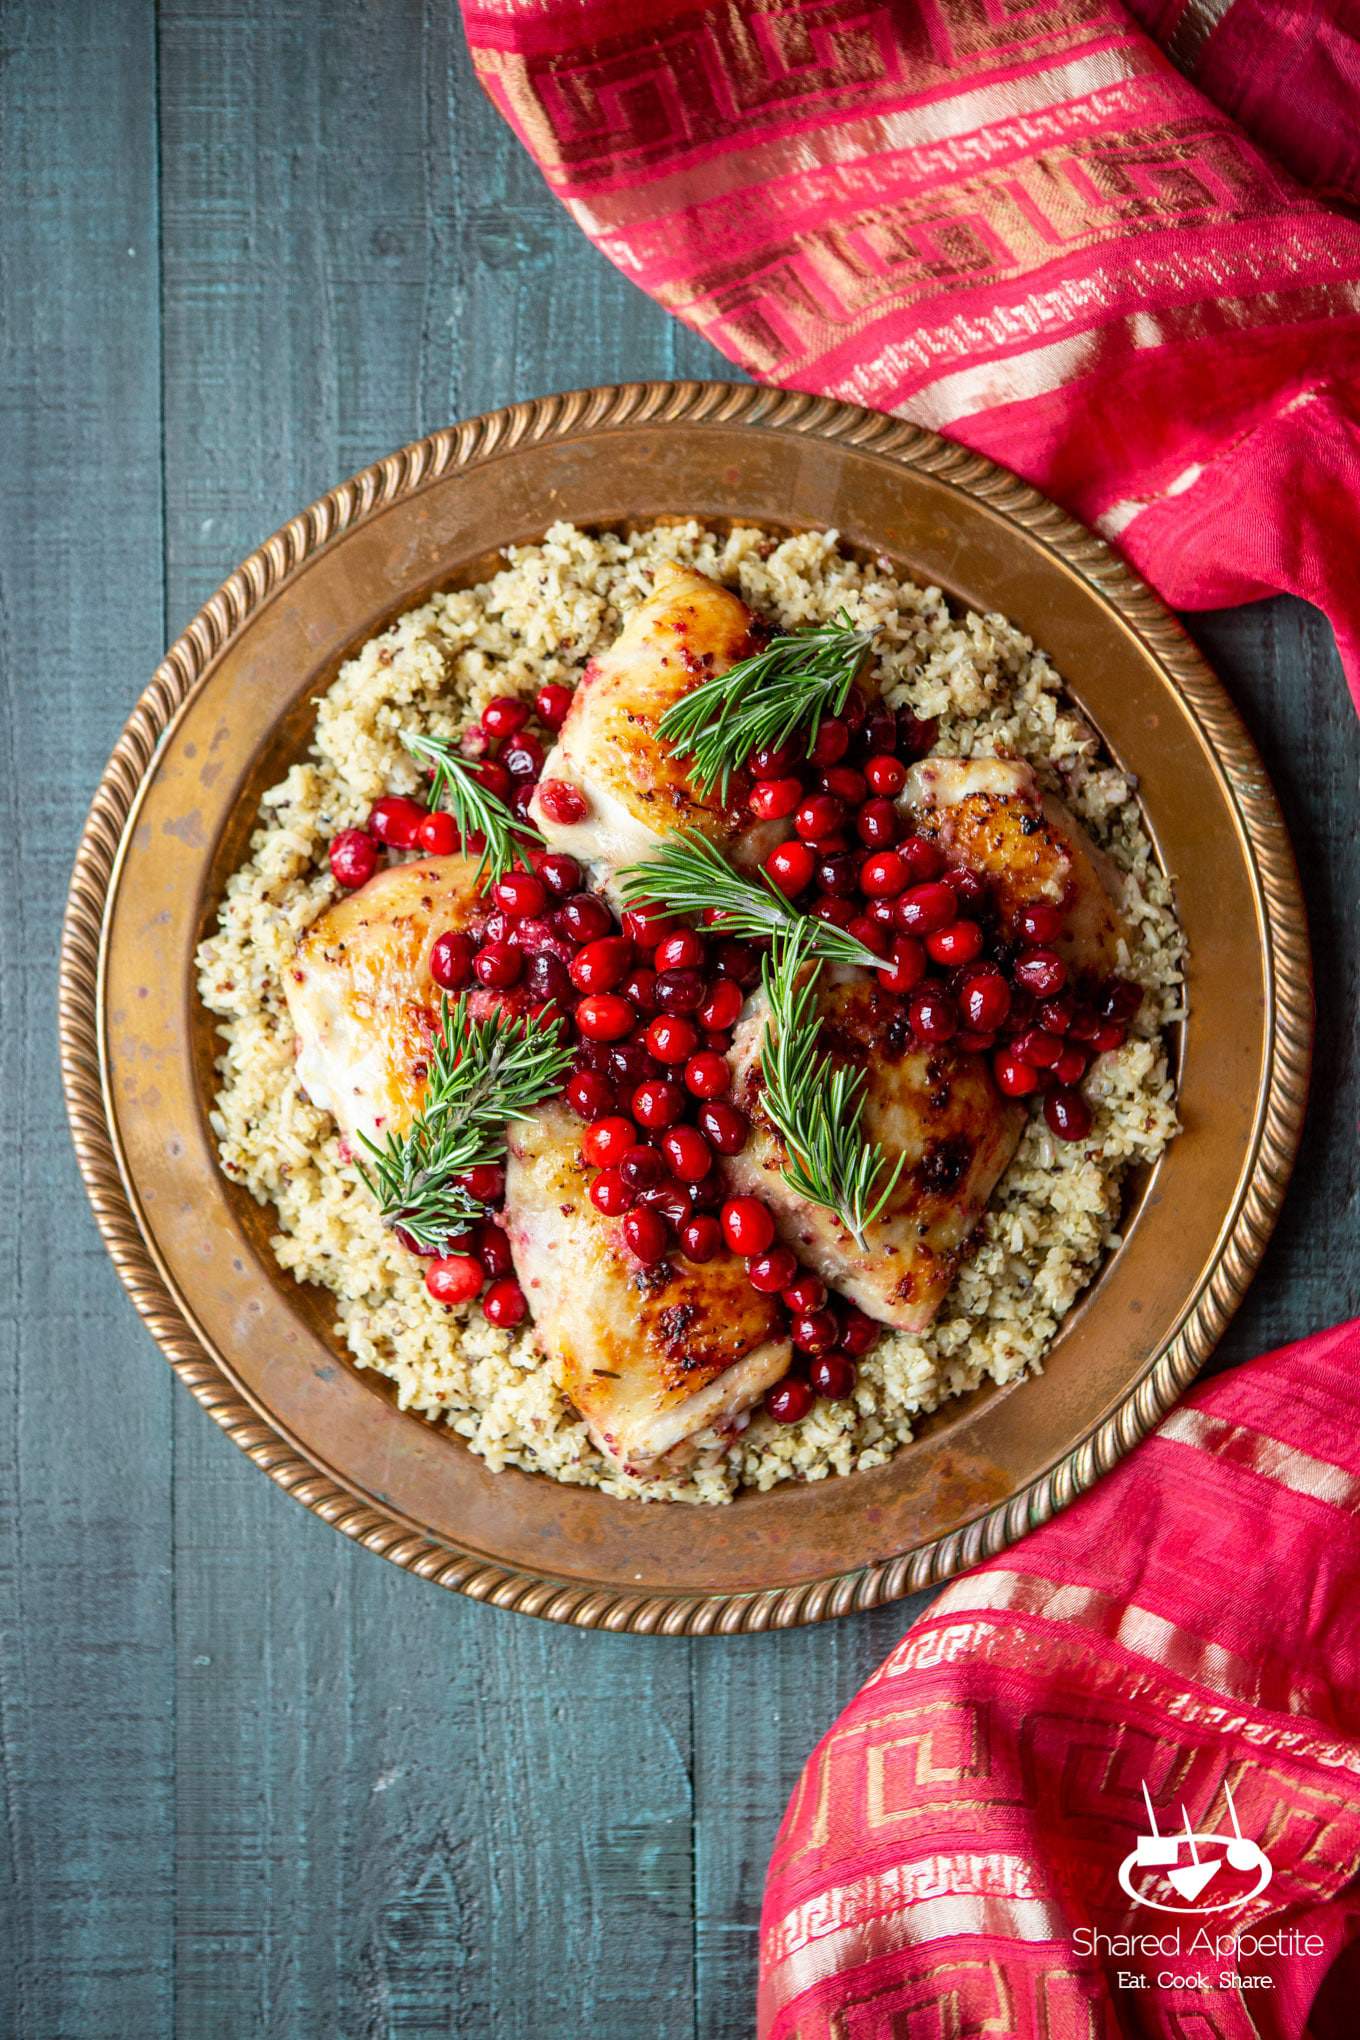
649,1356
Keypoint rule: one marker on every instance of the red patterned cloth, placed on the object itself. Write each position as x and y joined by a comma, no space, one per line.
1015,222
1192,1624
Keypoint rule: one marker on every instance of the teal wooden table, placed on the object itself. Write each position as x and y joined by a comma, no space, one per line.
256,1781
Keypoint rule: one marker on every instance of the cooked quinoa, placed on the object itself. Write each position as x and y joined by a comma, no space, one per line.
1056,1210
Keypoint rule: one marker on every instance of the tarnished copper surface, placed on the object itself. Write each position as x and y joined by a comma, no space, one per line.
231,706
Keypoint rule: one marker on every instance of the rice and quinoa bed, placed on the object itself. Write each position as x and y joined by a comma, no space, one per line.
1056,1210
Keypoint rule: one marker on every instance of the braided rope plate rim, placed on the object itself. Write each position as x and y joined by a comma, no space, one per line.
576,414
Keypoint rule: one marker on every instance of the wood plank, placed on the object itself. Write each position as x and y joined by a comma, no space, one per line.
395,1811
85,1551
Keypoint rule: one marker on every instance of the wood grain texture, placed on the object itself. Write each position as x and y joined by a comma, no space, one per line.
255,1781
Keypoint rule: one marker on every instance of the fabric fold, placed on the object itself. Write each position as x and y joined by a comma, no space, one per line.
1023,227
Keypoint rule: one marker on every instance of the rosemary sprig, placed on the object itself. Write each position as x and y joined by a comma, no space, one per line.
688,876
815,1105
476,810
767,699
482,1073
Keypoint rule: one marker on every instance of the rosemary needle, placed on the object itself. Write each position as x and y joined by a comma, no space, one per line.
482,1073
781,692
476,810
815,1105
688,876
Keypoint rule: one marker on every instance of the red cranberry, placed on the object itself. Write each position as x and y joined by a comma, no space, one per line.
858,1332
520,894
671,1038
1057,1015
832,1375
524,757
773,800
589,1094
789,1401
670,1200
700,1238
504,715
497,966
1040,921
985,1000
504,1304
1068,1114
493,1251
968,887
877,824
682,951
707,1075
871,933
771,1272
1014,1079
961,943
819,817
907,968
814,1331
644,1235
437,835
884,875
724,1126
354,858
603,1016
1083,1025
924,908
1071,1067
559,872
916,734
1041,1051
610,1194
680,991
608,1141
886,775
630,1062
831,742
552,702
1041,971
722,1006
807,1293
879,730
772,761
1120,999
839,913
585,918
562,802
602,964
454,1278
846,784
933,1015
451,961
1108,1035
639,988
647,927
839,873
547,978
494,777
923,857
747,1226
790,866
641,1167
688,1153
396,821
485,1182
738,960
657,1104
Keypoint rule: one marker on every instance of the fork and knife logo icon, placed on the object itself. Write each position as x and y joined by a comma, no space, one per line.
1210,1854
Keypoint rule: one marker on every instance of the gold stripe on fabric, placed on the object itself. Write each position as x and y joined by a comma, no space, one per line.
867,140
851,1946
961,393
1259,1453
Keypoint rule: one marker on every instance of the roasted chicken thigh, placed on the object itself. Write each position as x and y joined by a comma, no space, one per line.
992,814
935,1105
362,1001
649,1355
611,789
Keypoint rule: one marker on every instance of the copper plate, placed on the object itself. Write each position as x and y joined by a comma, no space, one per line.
232,703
